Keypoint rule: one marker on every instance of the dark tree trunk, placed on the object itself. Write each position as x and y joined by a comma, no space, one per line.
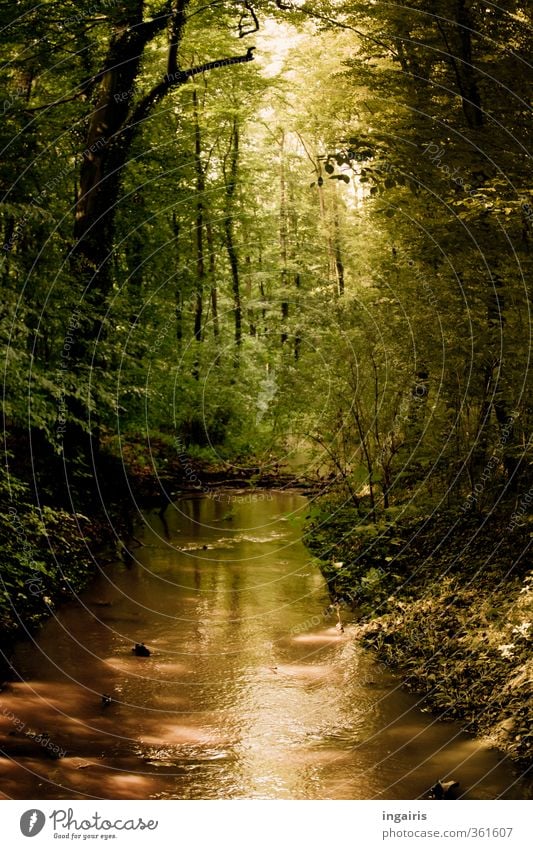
283,242
113,124
231,185
339,262
458,43
235,279
199,232
297,336
178,292
212,277
264,314
252,329
496,322
467,81
106,151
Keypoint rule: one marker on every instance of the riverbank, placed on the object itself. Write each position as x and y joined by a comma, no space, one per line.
50,552
245,667
168,470
447,600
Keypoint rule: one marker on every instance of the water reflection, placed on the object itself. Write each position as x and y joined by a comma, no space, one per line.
250,690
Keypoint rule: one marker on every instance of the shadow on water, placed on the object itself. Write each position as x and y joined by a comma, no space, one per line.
249,692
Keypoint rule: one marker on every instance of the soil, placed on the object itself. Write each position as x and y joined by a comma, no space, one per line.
447,600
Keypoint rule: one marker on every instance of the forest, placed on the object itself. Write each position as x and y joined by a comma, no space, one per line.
257,245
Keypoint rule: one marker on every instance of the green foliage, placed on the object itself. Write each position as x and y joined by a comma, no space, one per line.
321,252
44,557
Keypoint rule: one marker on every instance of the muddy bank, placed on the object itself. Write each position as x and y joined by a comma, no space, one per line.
448,601
48,557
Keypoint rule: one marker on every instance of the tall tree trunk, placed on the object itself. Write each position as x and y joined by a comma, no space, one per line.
504,418
339,263
231,185
264,314
212,276
458,43
134,262
178,293
292,219
199,233
466,80
297,335
283,241
252,329
113,124
326,228
106,151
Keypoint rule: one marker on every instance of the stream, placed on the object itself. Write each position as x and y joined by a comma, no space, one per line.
250,690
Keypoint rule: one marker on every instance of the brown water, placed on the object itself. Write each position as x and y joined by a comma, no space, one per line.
250,691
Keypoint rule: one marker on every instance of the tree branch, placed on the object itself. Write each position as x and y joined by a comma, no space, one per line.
216,63
146,31
177,25
149,29
288,7
56,102
207,6
312,14
251,12
178,78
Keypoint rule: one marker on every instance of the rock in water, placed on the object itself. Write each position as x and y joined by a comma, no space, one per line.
140,650
444,790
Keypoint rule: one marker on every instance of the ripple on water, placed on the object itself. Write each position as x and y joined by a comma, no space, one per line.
186,757
250,691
